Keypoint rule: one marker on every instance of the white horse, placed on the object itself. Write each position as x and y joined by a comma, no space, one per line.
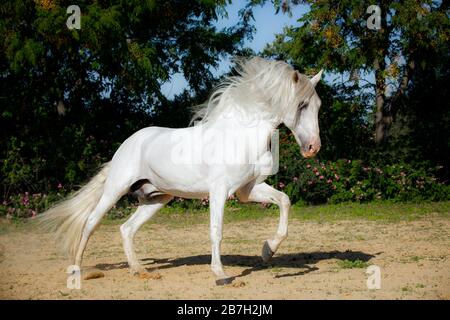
226,152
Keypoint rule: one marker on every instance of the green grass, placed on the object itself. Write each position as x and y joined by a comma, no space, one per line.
382,211
375,211
275,269
406,289
351,264
416,258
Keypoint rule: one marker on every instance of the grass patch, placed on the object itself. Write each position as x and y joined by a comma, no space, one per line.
375,211
378,211
416,258
406,289
351,264
275,269
173,216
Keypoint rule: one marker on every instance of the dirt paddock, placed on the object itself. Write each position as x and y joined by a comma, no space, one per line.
319,260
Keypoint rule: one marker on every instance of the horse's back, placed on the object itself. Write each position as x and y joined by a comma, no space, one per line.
127,161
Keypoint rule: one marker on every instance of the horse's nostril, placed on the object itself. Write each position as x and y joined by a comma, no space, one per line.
311,147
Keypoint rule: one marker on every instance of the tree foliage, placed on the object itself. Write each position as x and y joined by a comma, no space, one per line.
69,96
335,35
394,78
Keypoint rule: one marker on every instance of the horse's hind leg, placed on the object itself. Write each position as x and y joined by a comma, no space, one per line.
264,193
146,209
107,200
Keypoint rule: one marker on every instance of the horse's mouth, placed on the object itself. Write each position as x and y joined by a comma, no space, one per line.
308,155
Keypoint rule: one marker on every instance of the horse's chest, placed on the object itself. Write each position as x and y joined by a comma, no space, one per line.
265,165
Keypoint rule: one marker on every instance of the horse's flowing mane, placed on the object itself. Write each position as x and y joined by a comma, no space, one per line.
262,87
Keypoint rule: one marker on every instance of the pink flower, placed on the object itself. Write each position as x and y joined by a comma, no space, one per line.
336,176
59,186
329,181
321,177
294,179
281,185
317,173
308,166
25,199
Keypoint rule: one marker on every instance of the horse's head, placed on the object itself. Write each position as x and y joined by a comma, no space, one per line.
302,116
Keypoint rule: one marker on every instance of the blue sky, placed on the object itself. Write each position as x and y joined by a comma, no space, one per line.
267,24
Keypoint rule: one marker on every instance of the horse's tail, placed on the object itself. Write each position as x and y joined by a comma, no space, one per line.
68,217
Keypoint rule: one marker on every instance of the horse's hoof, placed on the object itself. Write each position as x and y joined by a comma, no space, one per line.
267,253
224,281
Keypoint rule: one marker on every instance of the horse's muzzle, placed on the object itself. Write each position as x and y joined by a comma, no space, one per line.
311,150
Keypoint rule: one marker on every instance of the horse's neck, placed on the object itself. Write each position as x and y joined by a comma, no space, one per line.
244,119
256,133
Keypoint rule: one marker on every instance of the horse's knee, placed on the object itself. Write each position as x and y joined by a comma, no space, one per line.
285,201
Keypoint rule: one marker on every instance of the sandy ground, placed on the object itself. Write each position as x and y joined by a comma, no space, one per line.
414,258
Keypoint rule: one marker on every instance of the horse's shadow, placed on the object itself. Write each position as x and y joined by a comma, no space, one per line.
303,262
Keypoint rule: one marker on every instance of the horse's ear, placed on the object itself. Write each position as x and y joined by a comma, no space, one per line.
315,80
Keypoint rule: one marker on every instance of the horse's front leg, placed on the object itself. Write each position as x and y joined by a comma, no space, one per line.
264,193
217,198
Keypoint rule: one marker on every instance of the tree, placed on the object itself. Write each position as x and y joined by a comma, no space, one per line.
335,35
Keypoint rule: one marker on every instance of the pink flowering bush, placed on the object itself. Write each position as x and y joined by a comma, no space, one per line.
27,205
313,181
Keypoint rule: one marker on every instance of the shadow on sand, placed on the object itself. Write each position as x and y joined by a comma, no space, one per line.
303,263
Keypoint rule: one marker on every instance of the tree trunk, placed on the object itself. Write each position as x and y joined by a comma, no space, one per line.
382,117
